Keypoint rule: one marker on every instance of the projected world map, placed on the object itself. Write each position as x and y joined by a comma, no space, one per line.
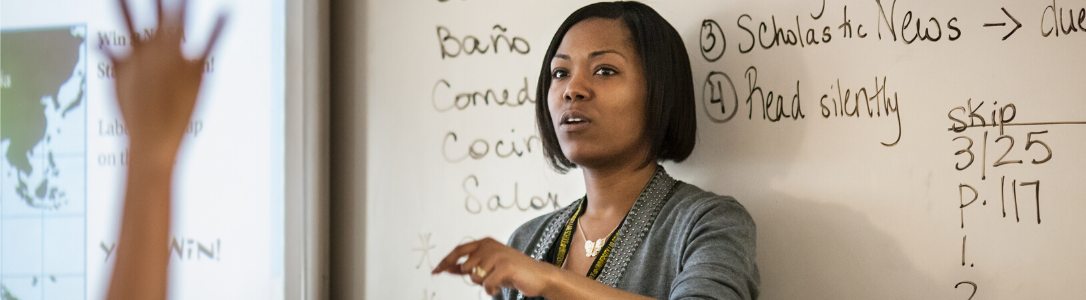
43,167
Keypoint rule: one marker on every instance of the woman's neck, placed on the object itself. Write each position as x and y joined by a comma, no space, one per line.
613,191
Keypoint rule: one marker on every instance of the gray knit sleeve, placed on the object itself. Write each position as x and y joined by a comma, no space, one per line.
522,240
718,258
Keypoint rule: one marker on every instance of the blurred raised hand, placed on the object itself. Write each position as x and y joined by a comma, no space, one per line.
156,85
156,89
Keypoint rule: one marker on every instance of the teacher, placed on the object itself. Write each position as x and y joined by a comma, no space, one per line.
619,99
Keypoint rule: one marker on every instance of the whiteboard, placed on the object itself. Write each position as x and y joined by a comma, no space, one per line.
853,153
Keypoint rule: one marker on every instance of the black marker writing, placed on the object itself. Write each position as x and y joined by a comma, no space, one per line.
451,46
963,252
770,35
767,99
474,205
451,147
846,27
444,101
969,283
877,104
953,32
1058,25
712,41
715,93
961,197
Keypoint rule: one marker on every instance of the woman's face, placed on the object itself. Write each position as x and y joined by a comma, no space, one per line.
597,95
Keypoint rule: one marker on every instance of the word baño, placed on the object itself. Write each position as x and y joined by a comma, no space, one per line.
452,46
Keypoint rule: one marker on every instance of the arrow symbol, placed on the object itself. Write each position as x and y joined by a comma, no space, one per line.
1016,24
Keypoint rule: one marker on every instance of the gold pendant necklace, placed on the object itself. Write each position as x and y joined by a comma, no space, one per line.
592,249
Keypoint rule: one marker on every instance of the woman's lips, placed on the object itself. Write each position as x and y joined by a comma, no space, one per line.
573,121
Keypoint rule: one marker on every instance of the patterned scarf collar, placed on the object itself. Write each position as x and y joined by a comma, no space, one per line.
631,232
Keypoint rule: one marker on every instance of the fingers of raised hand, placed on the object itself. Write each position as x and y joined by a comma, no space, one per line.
215,32
172,20
127,13
170,27
448,264
159,15
182,11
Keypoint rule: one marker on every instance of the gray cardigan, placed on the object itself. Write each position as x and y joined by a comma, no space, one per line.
677,242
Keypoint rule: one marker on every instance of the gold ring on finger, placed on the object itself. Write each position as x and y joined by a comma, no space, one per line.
478,272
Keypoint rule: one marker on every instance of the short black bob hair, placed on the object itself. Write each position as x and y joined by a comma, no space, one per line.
669,108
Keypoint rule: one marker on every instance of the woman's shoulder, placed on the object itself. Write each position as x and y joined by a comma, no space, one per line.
692,201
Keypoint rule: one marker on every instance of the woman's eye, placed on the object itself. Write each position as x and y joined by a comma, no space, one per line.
556,74
606,72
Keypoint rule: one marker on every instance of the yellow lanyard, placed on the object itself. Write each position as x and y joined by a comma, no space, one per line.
567,235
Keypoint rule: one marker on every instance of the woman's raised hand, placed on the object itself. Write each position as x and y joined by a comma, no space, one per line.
156,85
156,92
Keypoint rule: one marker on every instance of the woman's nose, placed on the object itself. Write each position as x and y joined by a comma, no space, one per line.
577,88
